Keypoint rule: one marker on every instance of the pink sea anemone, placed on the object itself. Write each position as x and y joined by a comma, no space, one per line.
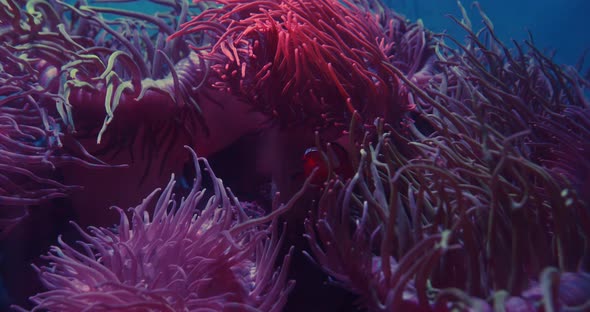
202,253
310,66
312,61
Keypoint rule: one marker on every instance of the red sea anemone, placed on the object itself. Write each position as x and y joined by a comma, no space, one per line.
309,66
221,259
315,62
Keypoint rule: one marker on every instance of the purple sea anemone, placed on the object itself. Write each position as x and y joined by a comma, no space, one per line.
108,91
480,204
452,175
32,144
202,253
411,234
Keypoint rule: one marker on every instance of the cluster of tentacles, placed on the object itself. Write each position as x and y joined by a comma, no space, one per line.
482,204
470,160
173,260
313,61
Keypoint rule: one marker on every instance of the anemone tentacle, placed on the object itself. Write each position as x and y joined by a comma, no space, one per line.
172,259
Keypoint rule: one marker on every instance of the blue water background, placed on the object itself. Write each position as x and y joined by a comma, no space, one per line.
560,25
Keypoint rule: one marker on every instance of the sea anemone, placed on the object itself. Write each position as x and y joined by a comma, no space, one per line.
310,66
117,92
461,178
480,203
312,61
432,234
202,253
567,149
118,80
32,141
